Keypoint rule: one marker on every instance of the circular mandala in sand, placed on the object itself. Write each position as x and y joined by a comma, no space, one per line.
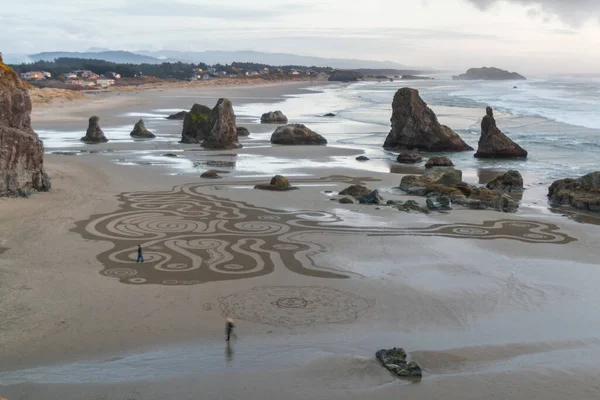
290,306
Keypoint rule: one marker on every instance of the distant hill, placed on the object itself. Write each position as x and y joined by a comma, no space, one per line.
489,74
227,57
121,57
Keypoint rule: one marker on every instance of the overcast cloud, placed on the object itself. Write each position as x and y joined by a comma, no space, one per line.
523,35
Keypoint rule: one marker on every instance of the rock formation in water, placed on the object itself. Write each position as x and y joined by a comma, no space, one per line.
21,151
510,182
489,74
94,134
140,132
582,193
415,126
395,361
195,123
356,191
278,183
296,134
495,144
345,76
274,117
241,131
409,157
439,162
178,116
221,130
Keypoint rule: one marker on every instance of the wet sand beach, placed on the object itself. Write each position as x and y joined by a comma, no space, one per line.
492,305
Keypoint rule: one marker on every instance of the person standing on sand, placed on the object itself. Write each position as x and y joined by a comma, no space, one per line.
140,256
229,328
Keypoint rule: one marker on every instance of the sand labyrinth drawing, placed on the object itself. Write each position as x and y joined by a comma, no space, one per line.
191,238
291,306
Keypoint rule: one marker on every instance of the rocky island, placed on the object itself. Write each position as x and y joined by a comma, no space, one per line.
488,74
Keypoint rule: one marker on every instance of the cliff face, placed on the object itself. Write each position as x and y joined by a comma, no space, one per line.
21,151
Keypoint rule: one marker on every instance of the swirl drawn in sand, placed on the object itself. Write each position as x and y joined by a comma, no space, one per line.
191,238
294,305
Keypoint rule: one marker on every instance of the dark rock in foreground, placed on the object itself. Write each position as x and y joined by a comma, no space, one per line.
510,182
296,134
415,126
140,131
582,193
489,74
274,117
441,203
241,131
495,144
21,151
195,124
211,174
221,130
170,155
362,158
410,206
329,115
395,361
409,157
356,191
178,116
94,134
278,183
439,162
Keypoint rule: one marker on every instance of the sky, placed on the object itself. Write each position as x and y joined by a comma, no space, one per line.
528,36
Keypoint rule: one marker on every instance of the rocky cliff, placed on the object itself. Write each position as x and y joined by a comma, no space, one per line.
415,126
21,151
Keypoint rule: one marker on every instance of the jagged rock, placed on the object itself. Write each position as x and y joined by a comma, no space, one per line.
356,191
211,174
221,128
94,134
296,134
439,162
395,361
278,183
178,116
482,198
510,182
412,205
495,144
195,124
274,117
362,158
371,198
140,131
329,115
241,131
344,76
409,157
489,74
582,193
21,151
415,126
346,200
441,203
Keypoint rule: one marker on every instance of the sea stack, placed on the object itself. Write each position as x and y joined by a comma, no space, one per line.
194,124
221,130
415,126
495,144
94,134
140,132
21,151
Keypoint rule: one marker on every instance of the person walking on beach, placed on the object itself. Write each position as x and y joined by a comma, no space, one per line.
229,328
140,256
